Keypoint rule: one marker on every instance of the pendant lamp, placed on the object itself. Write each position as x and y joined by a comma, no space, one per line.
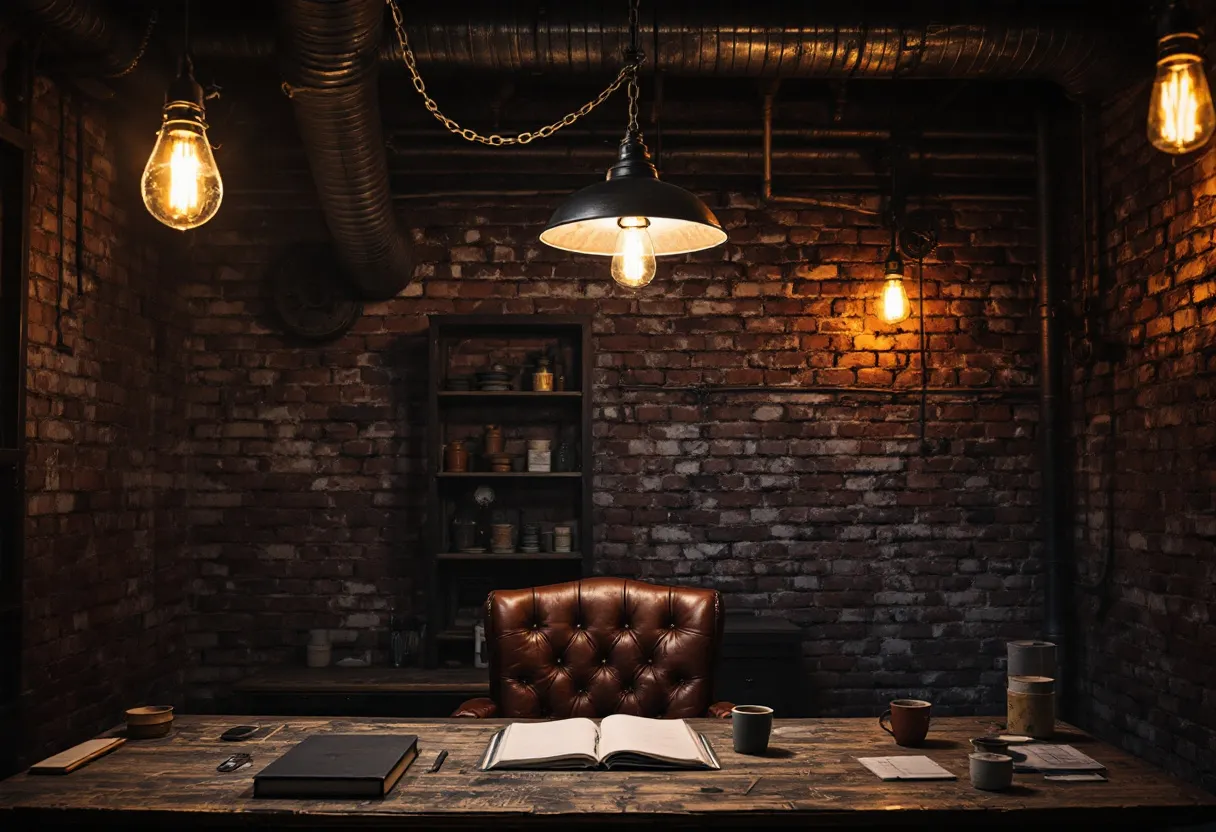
633,216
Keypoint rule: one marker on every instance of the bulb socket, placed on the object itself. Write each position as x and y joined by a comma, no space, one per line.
1178,33
633,159
893,266
184,98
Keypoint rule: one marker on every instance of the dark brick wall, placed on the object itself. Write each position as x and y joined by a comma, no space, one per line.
104,578
907,570
1145,431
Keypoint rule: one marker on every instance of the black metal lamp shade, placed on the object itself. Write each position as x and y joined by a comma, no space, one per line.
587,222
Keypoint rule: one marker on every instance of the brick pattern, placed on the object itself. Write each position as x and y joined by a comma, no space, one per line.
907,570
1145,426
104,579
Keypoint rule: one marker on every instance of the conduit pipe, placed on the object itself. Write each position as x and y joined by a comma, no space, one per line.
330,49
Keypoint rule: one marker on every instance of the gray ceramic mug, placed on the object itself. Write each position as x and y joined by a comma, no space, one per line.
751,726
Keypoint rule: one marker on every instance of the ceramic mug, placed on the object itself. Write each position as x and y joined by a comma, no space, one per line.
750,728
909,720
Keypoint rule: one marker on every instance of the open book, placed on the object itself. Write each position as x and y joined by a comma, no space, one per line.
620,741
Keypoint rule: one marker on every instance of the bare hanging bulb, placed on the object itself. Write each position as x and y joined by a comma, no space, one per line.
181,184
633,263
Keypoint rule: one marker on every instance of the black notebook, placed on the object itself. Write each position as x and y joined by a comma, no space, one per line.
339,765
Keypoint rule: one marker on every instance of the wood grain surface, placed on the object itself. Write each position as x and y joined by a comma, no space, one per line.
809,776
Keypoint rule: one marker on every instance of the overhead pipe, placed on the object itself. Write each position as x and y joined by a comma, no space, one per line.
758,39
330,49
82,28
1055,572
802,133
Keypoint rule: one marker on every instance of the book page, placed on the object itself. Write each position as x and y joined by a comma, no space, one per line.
530,743
664,739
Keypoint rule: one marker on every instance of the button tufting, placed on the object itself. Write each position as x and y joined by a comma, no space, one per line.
603,661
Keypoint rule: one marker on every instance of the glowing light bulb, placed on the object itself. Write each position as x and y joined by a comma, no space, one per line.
1180,113
894,306
633,264
181,184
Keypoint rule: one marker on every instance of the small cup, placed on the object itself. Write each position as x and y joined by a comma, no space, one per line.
149,721
991,772
909,721
318,655
751,726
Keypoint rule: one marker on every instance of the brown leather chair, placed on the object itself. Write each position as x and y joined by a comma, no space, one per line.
601,646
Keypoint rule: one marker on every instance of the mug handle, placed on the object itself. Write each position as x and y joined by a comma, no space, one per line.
885,715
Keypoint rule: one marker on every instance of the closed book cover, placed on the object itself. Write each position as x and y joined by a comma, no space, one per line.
339,765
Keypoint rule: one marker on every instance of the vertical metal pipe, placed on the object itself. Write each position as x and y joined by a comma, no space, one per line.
1049,362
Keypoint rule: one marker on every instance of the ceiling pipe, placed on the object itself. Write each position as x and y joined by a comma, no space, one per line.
329,56
82,29
766,191
761,39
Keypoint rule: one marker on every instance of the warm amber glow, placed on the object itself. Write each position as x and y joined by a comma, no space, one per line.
181,184
633,263
1180,113
894,306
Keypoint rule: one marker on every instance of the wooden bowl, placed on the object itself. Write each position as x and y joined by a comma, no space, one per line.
149,721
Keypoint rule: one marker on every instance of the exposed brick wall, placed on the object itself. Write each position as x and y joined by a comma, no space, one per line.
908,572
1145,431
104,579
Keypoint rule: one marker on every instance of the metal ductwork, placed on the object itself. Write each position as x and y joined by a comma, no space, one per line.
767,39
1050,41
82,30
329,50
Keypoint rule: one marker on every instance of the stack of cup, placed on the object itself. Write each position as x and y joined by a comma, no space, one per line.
1031,688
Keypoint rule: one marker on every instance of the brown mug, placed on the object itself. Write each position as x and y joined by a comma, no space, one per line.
909,720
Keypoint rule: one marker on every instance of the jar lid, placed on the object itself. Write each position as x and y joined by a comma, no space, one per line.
1032,684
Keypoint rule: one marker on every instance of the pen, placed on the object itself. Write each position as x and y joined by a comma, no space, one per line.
439,758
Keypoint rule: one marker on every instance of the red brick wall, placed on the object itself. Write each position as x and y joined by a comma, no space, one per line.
104,580
1145,426
908,571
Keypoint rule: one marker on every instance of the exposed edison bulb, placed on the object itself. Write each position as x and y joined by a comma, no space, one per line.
633,264
1180,113
181,184
894,306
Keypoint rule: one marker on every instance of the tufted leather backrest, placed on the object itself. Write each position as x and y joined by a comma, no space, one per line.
603,646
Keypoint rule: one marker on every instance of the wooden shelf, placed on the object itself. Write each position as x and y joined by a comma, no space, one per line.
358,680
540,475
512,556
455,635
527,395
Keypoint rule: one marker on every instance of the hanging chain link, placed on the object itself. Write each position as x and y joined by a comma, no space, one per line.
628,73
139,52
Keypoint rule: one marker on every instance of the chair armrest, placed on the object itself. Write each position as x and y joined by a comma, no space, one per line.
721,710
480,708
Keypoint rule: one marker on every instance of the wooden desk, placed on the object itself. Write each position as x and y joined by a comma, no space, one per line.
360,691
810,777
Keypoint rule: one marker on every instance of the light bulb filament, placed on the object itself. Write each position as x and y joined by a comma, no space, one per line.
184,168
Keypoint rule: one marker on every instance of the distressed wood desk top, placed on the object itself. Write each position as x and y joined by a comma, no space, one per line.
810,776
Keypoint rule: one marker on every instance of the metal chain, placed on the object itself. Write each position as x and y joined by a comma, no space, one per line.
139,53
628,72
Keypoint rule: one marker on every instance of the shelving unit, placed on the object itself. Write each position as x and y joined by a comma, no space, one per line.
457,581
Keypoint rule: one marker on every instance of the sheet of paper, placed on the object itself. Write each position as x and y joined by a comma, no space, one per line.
1048,757
906,768
1090,777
